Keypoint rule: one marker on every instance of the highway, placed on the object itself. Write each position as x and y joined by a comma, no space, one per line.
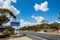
41,36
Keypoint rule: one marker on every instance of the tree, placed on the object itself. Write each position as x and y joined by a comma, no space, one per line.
3,11
54,25
44,24
9,29
3,17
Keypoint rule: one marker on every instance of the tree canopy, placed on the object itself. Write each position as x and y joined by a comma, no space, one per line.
2,11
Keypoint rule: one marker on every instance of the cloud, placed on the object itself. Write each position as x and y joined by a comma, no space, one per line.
15,10
1,3
33,16
38,18
13,1
24,23
7,4
43,6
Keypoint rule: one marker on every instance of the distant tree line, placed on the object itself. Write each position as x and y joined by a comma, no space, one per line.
43,26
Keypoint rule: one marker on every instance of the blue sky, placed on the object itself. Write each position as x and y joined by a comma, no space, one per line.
33,11
26,8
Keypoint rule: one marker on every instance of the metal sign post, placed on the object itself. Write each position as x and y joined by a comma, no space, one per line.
15,23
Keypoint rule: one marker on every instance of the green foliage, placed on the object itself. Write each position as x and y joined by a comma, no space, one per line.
39,27
33,28
3,16
3,11
45,30
55,25
0,30
9,28
3,19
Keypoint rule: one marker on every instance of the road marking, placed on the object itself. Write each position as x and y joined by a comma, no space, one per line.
36,37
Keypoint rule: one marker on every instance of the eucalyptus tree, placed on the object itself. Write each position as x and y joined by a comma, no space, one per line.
5,11
44,24
3,16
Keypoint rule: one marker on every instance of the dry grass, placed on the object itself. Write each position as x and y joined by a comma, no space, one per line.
20,38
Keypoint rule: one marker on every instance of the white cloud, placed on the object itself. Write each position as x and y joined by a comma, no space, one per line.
15,10
13,1
33,16
1,3
43,6
24,23
7,4
38,18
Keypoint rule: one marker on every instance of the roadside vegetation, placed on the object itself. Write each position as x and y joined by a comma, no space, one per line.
5,30
42,27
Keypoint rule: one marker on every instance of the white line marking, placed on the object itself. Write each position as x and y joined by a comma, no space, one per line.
36,37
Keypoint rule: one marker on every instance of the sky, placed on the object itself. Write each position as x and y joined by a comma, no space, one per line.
32,12
27,9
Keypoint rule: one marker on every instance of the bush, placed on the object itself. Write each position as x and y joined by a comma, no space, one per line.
9,29
45,30
0,30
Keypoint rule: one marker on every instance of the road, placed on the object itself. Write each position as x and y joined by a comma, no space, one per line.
41,36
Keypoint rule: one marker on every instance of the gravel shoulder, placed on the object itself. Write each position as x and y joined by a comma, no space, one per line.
49,33
20,38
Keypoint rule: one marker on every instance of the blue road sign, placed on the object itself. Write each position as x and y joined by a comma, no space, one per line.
15,23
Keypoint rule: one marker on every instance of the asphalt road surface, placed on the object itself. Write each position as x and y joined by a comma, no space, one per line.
41,36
